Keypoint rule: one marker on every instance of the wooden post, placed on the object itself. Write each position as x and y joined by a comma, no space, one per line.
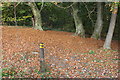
42,62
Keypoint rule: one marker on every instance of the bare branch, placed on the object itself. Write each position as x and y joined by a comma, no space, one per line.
64,7
42,5
89,13
17,4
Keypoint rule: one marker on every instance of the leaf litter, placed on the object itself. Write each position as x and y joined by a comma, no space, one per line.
66,56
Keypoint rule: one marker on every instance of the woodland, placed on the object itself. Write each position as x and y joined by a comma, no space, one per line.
81,39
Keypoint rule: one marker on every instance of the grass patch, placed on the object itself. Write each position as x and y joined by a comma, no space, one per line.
8,72
115,59
115,50
110,50
105,49
90,52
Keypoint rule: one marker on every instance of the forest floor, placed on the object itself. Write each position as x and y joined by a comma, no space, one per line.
66,56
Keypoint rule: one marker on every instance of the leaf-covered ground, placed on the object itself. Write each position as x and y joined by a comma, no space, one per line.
66,56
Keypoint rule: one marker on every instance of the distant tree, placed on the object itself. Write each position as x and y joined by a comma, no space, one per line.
108,40
37,15
78,22
15,15
99,22
0,13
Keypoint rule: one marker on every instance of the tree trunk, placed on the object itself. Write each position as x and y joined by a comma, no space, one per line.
0,13
108,40
33,21
78,22
37,15
15,16
99,23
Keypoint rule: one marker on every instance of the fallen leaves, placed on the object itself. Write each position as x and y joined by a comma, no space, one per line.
66,56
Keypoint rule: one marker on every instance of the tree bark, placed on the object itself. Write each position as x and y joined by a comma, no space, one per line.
37,15
78,22
108,40
33,21
99,23
1,14
15,16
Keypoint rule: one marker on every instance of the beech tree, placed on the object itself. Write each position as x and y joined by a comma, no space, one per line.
108,40
78,22
37,15
99,22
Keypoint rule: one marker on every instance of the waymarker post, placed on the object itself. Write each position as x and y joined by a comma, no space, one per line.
42,62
